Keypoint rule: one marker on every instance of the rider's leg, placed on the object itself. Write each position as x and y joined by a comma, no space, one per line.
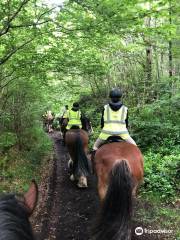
126,137
98,143
130,140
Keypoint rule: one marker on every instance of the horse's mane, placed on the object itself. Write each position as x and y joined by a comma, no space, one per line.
14,223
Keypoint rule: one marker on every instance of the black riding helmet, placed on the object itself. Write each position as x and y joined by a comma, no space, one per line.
75,106
115,94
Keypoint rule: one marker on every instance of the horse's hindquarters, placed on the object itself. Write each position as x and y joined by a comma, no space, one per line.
119,169
77,145
110,154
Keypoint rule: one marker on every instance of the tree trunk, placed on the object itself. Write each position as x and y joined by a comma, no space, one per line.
170,44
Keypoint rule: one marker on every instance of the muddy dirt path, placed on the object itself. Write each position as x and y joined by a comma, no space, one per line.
69,213
70,210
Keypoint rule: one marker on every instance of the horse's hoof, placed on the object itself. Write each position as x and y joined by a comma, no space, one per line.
72,178
80,185
82,182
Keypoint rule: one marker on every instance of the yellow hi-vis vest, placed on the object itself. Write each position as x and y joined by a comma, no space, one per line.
114,122
74,118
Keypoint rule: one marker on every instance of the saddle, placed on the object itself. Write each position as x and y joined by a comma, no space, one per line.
110,139
113,139
75,127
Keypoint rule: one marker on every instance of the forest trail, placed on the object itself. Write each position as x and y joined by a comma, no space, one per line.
70,213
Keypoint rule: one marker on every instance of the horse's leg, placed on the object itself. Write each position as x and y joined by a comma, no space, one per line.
135,188
102,188
70,167
134,191
102,175
70,163
72,178
50,126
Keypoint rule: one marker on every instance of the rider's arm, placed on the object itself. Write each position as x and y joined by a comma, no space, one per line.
126,120
81,115
102,119
66,114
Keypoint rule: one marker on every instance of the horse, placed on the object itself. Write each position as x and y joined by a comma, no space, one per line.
63,122
119,170
77,144
48,119
14,213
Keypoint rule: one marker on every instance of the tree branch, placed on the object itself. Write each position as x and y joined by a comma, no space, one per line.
29,24
7,83
6,76
7,26
5,58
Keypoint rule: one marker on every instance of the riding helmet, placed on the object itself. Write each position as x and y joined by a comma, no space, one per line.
115,93
75,106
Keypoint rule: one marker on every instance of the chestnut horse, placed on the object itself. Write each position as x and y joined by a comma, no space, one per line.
77,145
14,214
119,169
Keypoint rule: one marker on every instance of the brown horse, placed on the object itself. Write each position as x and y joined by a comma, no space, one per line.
77,145
15,211
119,169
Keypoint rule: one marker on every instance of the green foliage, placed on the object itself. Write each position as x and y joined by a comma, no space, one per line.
156,129
162,172
157,123
49,60
39,147
7,140
19,168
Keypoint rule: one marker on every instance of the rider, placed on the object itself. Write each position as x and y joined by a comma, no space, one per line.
74,117
65,110
114,120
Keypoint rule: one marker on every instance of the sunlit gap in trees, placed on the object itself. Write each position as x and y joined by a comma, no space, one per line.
54,5
58,3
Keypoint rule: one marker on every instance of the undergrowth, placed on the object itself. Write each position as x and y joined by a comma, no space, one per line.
18,168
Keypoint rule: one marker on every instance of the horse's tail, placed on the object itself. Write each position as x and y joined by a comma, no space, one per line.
81,165
115,216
